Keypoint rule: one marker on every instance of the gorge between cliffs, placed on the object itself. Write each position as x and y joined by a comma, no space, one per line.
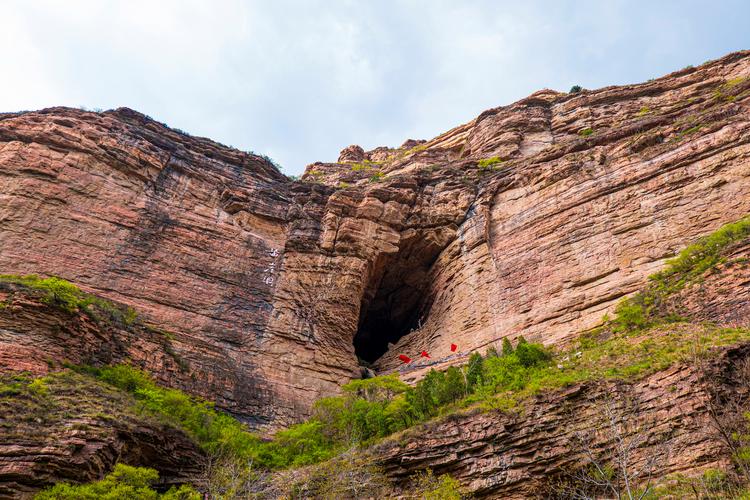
574,266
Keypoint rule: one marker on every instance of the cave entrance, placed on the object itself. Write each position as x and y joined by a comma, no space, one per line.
395,301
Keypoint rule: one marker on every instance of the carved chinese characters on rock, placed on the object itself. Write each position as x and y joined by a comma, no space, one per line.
269,273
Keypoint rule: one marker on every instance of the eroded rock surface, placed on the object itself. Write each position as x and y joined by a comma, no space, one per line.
518,454
75,429
271,288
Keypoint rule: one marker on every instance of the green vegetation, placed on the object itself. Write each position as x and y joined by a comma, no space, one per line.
643,111
417,149
690,130
367,410
575,89
431,487
489,163
218,433
214,431
365,165
123,483
343,185
58,292
374,408
648,307
377,176
368,166
638,342
586,132
371,409
65,295
735,81
729,91
43,411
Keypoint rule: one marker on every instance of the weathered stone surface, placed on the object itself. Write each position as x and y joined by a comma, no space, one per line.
352,153
568,225
267,285
37,338
77,430
722,296
515,455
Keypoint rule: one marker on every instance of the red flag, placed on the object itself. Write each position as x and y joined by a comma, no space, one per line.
404,358
425,355
454,347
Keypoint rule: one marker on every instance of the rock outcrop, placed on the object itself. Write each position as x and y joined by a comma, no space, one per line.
533,219
500,454
73,429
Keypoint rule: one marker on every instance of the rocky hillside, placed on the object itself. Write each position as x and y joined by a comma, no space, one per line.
225,279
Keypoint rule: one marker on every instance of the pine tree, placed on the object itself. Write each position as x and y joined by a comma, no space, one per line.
474,371
507,347
454,387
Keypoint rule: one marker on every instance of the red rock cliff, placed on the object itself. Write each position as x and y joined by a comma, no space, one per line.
533,219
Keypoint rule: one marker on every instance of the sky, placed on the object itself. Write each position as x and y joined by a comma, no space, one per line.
301,80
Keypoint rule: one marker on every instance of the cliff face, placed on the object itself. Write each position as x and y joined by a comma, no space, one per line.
533,219
520,455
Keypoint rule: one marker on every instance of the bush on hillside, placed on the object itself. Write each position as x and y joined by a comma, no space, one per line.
123,483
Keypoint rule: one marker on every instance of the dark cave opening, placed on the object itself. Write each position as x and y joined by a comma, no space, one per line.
388,318
395,301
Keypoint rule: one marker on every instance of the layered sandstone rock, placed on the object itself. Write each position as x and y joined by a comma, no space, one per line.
271,288
518,454
76,430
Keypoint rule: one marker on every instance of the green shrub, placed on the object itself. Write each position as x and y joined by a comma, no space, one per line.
368,409
300,444
575,89
455,385
586,132
503,373
488,163
399,414
376,388
417,149
377,176
58,292
215,432
123,483
364,166
38,386
507,346
690,130
65,295
704,254
431,487
426,396
631,314
474,371
530,355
